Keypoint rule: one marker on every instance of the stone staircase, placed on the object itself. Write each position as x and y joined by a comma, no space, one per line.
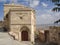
5,39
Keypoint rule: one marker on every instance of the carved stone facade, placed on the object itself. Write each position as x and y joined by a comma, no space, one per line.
20,21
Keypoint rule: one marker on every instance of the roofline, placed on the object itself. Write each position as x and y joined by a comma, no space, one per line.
18,5
13,5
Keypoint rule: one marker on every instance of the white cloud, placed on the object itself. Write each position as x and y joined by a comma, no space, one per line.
34,3
44,4
47,18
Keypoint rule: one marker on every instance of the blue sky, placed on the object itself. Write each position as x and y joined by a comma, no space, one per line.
43,8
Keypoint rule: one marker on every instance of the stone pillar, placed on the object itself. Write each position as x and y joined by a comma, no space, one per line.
32,27
19,36
16,36
32,34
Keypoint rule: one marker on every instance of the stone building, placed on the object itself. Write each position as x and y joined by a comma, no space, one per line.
20,22
54,34
1,24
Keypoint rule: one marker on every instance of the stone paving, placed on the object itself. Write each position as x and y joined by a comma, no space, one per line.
5,39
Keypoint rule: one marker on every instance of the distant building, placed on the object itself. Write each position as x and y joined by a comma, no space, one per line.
1,24
20,22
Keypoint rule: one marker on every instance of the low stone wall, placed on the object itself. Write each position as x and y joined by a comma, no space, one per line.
55,34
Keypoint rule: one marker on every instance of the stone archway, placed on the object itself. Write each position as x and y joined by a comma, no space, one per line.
24,35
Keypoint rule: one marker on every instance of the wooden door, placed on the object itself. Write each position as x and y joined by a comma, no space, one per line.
24,36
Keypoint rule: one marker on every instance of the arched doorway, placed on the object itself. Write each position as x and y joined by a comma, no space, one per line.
24,36
25,33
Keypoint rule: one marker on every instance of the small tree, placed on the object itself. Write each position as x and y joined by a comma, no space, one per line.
57,8
57,21
57,3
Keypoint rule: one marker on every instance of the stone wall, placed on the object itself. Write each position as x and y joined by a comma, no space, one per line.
54,34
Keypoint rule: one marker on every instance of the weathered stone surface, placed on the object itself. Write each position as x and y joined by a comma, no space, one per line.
19,18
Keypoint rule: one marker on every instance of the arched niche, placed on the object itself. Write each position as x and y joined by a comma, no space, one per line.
25,33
